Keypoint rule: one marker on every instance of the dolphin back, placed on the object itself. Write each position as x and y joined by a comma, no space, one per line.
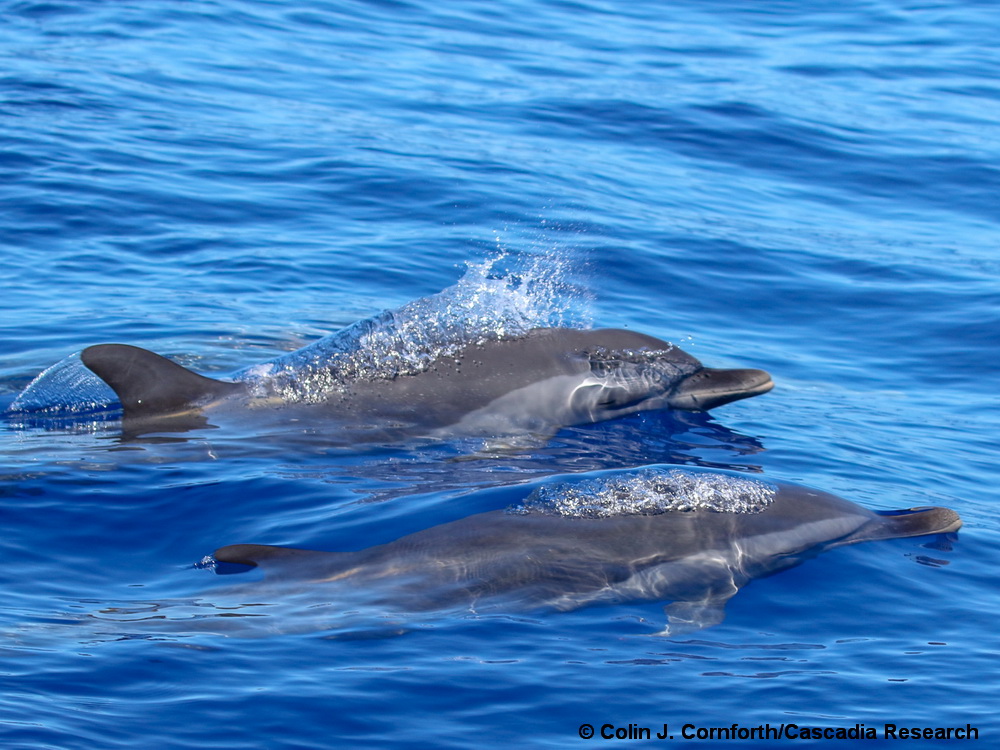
150,385
897,524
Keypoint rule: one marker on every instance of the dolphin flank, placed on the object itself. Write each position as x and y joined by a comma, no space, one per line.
691,538
547,378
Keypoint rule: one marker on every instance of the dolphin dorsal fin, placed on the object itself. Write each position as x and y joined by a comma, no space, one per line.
281,561
150,385
262,554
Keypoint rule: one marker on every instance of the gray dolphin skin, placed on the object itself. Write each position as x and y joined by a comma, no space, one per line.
687,537
547,378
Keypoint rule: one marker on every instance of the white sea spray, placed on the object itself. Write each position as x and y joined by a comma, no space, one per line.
66,389
497,298
649,491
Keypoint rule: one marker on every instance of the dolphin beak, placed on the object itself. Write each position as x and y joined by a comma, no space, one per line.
709,388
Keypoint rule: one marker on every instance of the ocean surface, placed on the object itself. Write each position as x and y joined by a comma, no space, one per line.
810,188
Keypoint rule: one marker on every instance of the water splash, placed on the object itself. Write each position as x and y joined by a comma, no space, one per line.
67,389
649,491
502,297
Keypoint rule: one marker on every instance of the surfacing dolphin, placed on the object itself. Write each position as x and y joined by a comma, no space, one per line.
534,383
689,537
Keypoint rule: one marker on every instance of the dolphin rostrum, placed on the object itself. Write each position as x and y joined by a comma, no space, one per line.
693,538
544,379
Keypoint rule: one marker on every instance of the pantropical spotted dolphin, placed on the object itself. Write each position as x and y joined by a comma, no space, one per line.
692,538
535,382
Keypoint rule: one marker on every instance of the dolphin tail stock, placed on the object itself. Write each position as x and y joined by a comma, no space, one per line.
898,524
710,387
150,385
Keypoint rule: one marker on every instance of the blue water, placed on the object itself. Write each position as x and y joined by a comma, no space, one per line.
809,188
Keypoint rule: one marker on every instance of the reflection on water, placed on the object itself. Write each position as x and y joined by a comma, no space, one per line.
679,438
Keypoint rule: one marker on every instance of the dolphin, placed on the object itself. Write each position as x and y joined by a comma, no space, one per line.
691,538
533,383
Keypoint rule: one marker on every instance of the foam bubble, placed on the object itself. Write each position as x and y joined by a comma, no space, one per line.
649,491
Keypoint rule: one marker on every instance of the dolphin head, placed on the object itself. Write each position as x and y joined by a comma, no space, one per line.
637,371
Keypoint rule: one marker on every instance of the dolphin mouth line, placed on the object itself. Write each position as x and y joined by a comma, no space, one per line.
711,387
